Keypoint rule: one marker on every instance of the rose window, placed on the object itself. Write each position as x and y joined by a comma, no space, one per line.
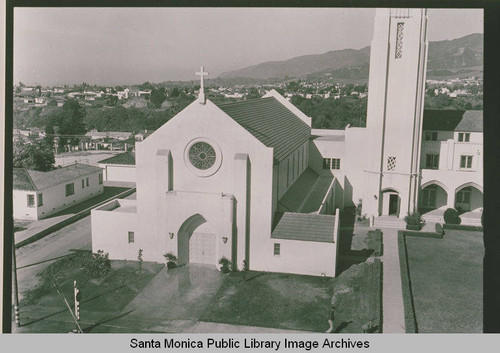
202,155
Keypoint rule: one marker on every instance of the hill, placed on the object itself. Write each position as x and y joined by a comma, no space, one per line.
445,57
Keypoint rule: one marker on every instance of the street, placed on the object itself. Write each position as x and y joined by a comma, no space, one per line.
74,236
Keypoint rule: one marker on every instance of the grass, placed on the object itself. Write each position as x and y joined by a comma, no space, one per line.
298,302
109,191
446,281
110,293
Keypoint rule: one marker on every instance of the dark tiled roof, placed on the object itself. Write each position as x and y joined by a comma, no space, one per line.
297,193
122,158
306,227
22,180
270,122
453,120
43,180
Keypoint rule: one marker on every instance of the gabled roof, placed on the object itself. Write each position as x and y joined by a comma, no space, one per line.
25,179
306,227
453,120
271,123
22,180
126,158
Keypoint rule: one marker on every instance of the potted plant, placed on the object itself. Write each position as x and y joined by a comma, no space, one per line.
171,260
225,265
413,221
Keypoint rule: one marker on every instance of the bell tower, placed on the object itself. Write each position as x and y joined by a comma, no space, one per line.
396,90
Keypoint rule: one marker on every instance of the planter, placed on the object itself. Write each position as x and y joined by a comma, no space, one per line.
413,227
225,270
171,264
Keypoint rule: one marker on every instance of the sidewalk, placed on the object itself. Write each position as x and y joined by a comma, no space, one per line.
393,307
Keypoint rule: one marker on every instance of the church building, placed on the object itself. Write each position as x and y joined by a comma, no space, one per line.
253,183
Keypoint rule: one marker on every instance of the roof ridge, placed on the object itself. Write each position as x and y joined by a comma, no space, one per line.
243,102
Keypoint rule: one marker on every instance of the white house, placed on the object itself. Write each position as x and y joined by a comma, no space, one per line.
37,195
250,181
120,167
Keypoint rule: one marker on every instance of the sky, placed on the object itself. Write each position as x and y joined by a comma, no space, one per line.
111,46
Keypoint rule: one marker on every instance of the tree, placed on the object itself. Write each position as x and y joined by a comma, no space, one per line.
253,93
158,96
36,155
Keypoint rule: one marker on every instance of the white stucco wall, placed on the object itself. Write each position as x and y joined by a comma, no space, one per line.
20,204
110,231
118,172
301,257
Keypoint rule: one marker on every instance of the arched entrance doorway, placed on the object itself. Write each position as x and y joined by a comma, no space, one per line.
432,196
197,242
390,202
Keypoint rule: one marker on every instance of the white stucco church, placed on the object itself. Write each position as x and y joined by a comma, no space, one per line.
252,182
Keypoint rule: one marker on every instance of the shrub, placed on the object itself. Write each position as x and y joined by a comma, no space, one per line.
171,260
451,216
139,258
439,229
97,265
413,221
225,265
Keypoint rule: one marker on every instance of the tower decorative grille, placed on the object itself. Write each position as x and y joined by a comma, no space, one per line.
391,163
399,40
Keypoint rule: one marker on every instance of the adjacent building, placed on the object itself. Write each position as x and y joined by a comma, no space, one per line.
37,195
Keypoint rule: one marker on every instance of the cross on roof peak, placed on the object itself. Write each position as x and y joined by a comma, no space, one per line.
201,95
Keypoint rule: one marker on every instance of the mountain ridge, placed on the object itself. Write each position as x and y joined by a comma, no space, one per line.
459,53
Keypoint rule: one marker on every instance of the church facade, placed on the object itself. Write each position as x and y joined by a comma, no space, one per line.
253,183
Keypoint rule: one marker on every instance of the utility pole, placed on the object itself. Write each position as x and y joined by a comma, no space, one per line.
14,277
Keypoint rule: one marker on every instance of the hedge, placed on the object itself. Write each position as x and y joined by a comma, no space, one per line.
463,227
409,308
410,233
376,293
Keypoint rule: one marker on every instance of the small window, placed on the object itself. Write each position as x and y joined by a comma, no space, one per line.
87,181
83,183
40,200
466,162
70,189
100,179
31,201
431,136
335,163
131,237
276,249
463,137
327,163
391,163
432,161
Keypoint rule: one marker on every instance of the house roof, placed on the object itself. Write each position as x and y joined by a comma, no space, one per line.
126,158
271,123
25,179
306,227
453,120
22,180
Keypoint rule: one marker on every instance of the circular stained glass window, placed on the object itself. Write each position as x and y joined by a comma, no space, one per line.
202,155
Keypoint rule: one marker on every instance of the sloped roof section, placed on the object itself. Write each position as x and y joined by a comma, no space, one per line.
22,180
43,180
126,158
453,120
305,227
271,123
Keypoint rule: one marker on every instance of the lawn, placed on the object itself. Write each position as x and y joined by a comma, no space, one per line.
446,281
101,296
109,191
298,302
